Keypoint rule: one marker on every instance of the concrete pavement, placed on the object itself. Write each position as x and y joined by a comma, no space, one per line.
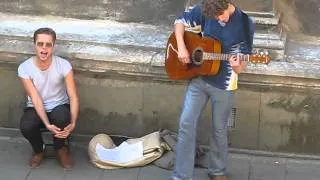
248,165
15,153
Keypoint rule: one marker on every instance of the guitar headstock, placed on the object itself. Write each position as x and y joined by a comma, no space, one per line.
260,56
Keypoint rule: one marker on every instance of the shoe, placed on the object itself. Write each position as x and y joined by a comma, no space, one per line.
223,177
64,157
36,159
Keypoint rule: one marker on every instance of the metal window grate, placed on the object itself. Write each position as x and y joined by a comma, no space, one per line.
232,118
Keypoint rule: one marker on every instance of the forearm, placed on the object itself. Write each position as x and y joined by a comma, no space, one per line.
179,32
38,106
36,100
74,109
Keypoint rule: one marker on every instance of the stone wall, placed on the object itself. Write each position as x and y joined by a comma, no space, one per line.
300,16
123,87
151,12
268,117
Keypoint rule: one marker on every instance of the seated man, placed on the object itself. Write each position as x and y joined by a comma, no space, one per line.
52,100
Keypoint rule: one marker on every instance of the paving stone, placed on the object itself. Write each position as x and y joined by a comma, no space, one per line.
13,171
306,170
154,173
50,169
83,168
14,160
268,168
201,174
238,167
123,174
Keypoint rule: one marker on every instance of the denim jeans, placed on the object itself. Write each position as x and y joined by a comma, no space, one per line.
197,95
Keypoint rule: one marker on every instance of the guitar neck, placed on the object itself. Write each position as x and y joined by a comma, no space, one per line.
223,57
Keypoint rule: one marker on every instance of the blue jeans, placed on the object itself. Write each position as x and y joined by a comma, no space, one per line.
197,95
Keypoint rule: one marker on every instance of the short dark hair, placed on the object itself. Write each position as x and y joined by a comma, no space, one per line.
213,8
47,31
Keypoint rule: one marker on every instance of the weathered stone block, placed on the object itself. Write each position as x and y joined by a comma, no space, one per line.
245,134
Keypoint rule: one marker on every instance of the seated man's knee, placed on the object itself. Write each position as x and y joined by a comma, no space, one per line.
60,116
29,123
61,123
27,128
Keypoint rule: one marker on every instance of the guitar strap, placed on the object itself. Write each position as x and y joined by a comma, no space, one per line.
245,20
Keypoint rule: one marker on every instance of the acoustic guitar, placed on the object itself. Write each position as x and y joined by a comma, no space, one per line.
205,55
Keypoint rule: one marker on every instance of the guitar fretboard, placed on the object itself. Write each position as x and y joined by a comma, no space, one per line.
223,57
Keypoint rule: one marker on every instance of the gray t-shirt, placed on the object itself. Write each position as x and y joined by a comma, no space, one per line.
49,83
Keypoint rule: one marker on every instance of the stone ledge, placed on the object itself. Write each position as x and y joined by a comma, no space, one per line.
138,60
130,49
94,52
131,63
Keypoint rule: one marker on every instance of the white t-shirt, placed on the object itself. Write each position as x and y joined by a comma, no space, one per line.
49,83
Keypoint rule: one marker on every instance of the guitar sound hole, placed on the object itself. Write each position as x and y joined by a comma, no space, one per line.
197,56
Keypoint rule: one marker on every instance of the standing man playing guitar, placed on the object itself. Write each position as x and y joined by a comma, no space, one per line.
221,20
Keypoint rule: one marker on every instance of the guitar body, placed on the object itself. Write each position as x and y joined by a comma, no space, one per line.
199,66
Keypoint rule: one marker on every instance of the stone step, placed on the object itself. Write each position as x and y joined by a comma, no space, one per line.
139,11
98,31
303,49
113,33
262,11
263,19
